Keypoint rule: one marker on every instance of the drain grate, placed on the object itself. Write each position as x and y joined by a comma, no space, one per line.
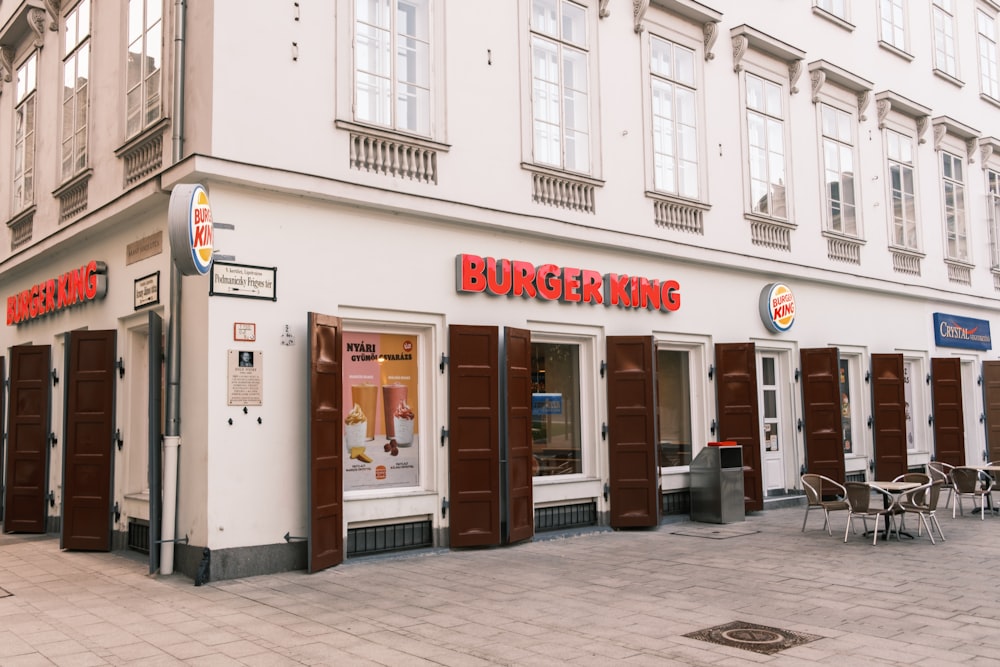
752,637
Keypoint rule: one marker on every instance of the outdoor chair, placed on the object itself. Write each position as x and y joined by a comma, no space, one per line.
859,497
823,493
918,477
922,501
969,482
942,471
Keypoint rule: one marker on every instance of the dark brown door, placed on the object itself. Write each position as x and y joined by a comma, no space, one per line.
521,510
736,395
3,439
821,412
28,439
325,443
632,447
889,414
991,400
949,418
474,436
88,459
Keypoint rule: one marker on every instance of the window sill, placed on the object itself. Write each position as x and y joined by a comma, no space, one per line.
895,50
989,98
387,134
834,19
948,77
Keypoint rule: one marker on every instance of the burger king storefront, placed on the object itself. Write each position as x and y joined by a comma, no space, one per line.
458,388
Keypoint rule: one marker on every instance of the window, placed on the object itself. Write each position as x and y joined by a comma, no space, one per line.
989,78
846,421
766,143
555,408
893,23
993,210
769,404
24,134
76,76
560,85
836,7
953,184
143,103
945,59
902,189
838,162
392,80
675,118
673,397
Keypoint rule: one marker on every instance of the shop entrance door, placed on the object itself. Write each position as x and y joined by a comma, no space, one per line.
325,444
88,460
777,441
821,412
946,406
634,484
28,435
889,416
991,402
736,397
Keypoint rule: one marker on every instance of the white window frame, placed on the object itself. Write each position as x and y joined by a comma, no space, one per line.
839,8
944,38
25,121
907,243
697,349
858,406
989,53
76,91
768,80
146,109
954,215
915,370
846,148
892,24
993,214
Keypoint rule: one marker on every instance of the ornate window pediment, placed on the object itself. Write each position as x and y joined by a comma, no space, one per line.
821,72
887,101
944,125
688,9
746,38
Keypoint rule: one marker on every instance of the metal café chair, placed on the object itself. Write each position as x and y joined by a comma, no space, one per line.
972,483
859,497
941,470
923,501
818,490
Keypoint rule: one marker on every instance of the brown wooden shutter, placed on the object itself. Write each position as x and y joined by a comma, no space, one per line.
325,444
736,396
632,444
821,414
991,401
88,459
3,423
889,414
154,435
521,510
28,439
474,436
949,418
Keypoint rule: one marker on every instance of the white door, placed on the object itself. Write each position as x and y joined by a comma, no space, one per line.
774,436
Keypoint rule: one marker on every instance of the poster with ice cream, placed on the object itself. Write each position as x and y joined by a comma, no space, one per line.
381,408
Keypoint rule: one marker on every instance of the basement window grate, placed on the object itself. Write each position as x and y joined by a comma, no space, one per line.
381,539
677,502
565,516
138,535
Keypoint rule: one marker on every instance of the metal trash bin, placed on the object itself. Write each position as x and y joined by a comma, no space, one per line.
717,484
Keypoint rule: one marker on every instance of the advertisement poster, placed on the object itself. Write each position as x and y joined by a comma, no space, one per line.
381,430
845,405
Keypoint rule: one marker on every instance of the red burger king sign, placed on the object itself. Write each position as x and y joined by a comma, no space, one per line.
189,218
777,307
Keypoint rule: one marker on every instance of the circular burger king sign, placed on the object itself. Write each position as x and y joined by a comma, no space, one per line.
189,218
777,307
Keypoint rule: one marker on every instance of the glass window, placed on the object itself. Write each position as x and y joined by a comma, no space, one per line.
392,64
24,134
769,393
902,190
893,23
953,184
838,159
993,211
845,405
766,142
675,116
560,85
909,372
944,37
673,397
555,408
835,7
76,76
142,72
989,78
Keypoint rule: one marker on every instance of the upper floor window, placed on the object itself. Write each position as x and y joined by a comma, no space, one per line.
902,189
560,85
143,102
76,77
24,133
945,58
993,211
765,118
839,169
675,118
953,198
836,7
986,26
392,61
892,24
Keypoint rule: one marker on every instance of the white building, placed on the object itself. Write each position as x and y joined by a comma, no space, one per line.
542,235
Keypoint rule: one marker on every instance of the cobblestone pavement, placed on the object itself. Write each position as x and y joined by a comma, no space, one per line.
595,598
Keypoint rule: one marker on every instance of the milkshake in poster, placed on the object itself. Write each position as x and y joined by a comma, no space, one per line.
381,430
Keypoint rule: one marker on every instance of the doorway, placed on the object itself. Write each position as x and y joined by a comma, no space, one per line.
777,439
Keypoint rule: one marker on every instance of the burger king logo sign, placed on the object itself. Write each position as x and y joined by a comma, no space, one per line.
777,307
189,218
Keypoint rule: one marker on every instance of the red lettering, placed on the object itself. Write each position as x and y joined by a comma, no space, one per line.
649,293
670,296
50,296
524,276
11,309
547,281
63,291
571,284
592,282
23,305
616,288
202,236
471,276
33,302
91,280
498,278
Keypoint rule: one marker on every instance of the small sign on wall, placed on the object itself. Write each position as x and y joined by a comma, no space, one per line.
146,291
251,282
245,385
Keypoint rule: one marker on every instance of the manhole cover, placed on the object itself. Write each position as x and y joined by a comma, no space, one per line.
751,637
